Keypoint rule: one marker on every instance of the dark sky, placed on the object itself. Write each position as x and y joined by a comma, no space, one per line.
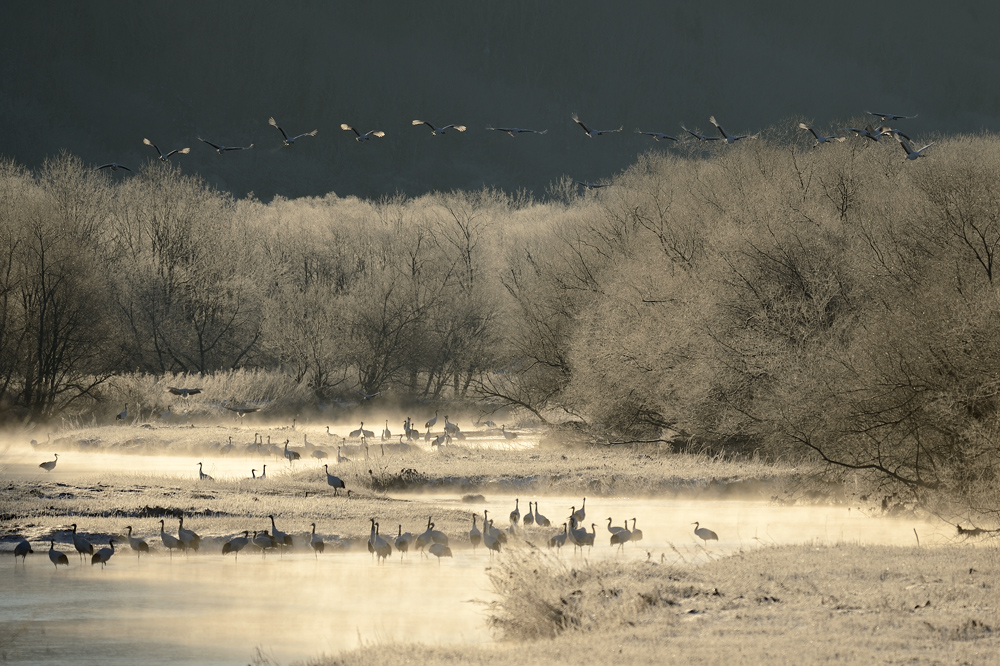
94,78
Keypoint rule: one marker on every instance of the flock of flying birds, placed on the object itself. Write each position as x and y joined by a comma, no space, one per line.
867,132
434,541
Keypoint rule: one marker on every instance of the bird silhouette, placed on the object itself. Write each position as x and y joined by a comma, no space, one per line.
190,540
581,513
316,542
56,557
700,136
728,138
819,137
592,132
439,550
911,154
334,482
475,536
439,130
636,533
50,465
287,139
515,515
280,538
889,116
236,544
22,549
202,476
164,158
83,547
122,415
403,541
222,149
104,554
114,166
170,542
184,392
704,533
558,540
658,136
136,544
514,131
359,137
529,518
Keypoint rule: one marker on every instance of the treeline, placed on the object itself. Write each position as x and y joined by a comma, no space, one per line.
766,296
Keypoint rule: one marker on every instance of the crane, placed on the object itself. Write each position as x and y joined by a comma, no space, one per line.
475,536
316,542
50,465
541,520
529,518
621,537
122,415
170,542
435,131
83,547
439,550
558,540
636,534
57,557
221,149
104,554
591,133
359,137
515,515
334,482
184,392
22,548
403,541
202,476
581,513
164,158
287,140
280,538
236,544
189,538
136,544
704,533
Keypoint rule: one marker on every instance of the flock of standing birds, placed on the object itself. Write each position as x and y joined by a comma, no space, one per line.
431,540
868,132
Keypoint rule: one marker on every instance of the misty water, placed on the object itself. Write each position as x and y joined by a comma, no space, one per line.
207,608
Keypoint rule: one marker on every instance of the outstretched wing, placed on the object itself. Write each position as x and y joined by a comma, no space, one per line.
271,121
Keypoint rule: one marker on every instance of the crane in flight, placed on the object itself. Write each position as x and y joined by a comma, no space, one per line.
439,130
164,158
359,137
592,132
514,131
221,149
289,140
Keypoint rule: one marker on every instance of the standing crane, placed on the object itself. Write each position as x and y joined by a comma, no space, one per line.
83,547
704,533
50,465
136,544
170,542
104,554
56,557
334,482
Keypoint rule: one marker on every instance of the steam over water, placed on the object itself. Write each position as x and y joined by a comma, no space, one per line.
210,609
